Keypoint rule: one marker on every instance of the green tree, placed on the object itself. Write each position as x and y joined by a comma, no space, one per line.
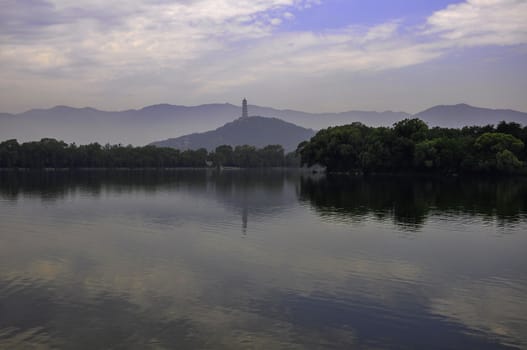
223,155
9,154
494,146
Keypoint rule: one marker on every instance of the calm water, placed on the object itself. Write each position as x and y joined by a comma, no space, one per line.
248,260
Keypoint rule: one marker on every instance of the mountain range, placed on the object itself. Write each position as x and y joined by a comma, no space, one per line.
164,121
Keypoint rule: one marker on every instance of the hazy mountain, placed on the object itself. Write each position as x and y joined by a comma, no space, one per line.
460,115
254,131
138,127
163,121
323,120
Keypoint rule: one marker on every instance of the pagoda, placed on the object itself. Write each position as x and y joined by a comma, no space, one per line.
245,112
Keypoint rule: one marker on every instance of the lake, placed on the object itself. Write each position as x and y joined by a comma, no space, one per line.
196,259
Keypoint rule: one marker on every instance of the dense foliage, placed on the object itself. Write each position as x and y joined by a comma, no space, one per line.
411,146
50,153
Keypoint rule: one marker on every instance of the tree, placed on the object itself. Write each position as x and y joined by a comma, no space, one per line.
413,129
245,156
511,128
271,156
411,146
499,148
9,154
223,155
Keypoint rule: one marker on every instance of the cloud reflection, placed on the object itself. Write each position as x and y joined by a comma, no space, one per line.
163,260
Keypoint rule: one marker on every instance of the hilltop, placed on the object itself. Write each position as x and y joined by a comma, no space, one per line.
254,131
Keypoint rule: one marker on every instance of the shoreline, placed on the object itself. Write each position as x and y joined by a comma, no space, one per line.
143,169
289,169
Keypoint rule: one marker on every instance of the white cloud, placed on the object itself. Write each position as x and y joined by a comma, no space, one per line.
482,22
214,45
298,54
289,16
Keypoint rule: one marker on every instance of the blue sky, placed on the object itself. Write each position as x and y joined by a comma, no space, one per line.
338,13
313,55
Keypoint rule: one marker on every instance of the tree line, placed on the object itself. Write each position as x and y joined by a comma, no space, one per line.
411,146
408,146
51,153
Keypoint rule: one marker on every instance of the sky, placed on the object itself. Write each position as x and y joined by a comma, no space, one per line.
310,55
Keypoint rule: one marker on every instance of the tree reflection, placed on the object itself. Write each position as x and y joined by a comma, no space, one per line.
251,193
54,185
411,200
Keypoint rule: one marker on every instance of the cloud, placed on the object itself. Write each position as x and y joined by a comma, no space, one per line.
351,49
120,36
481,22
211,46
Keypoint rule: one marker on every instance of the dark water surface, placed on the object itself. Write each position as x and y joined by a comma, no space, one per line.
252,260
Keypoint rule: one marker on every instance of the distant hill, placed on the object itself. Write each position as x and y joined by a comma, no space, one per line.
254,131
323,120
140,126
455,116
137,127
163,121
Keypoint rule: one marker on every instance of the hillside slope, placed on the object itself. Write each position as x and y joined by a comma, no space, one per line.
254,131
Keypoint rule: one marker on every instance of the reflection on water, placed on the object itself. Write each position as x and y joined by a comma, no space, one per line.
410,201
240,259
